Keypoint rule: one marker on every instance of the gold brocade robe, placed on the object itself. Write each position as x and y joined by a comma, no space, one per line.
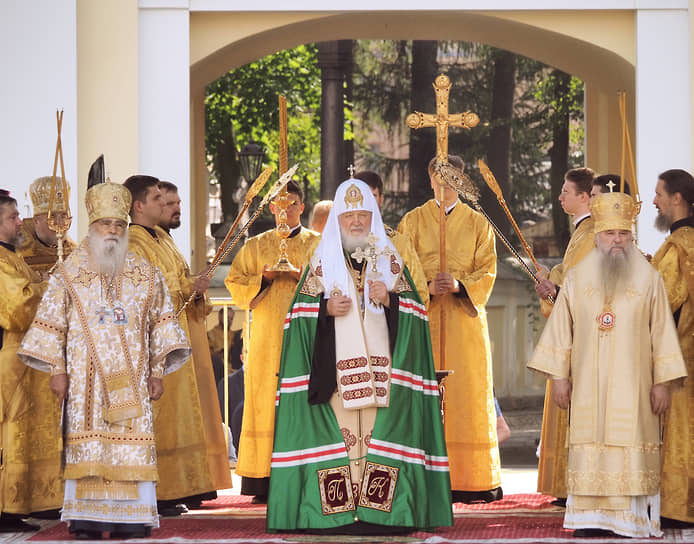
554,448
38,255
191,450
470,417
196,312
403,245
614,437
267,328
675,262
30,433
108,339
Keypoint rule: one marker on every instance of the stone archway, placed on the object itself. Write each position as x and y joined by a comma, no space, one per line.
222,41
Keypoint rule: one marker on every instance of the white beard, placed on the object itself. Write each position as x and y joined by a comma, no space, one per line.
351,243
108,254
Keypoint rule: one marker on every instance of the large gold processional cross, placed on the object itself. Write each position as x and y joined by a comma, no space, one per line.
442,120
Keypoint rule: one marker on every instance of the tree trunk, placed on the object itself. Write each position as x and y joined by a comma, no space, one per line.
499,147
559,156
228,170
422,141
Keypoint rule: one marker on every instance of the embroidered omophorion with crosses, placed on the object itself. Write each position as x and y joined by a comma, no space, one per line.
345,450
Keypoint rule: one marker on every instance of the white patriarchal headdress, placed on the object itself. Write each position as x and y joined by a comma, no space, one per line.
353,195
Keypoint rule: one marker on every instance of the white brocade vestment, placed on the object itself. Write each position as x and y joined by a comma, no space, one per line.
614,436
109,338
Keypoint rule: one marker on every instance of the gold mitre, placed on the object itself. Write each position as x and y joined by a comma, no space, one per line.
40,193
613,211
108,200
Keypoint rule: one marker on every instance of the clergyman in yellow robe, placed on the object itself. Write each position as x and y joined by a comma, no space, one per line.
611,348
554,448
675,262
269,301
30,432
469,414
191,450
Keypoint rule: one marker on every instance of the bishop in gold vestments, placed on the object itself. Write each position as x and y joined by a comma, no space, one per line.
554,451
190,441
470,417
271,302
611,340
106,332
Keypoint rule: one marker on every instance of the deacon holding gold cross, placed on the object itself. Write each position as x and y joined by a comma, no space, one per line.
456,247
358,432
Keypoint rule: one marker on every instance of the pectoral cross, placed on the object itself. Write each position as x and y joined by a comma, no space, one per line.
102,312
372,254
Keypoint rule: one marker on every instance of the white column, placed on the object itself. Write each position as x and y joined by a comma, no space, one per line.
663,107
164,102
38,63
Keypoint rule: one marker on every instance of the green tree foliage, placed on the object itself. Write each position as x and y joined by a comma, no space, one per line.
382,100
243,105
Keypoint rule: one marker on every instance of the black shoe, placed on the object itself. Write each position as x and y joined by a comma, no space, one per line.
46,514
476,497
171,510
140,533
259,499
17,526
559,502
87,535
593,533
669,523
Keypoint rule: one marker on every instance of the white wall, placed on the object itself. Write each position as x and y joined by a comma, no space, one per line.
164,103
38,67
663,107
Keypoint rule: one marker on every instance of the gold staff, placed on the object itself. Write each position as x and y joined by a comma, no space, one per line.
494,186
442,120
59,218
627,151
283,201
463,185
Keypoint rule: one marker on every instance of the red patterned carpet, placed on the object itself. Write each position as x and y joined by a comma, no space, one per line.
516,519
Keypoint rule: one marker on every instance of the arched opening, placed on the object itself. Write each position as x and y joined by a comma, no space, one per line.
223,41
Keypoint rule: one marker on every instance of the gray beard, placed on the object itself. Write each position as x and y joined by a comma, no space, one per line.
351,243
107,255
662,222
615,270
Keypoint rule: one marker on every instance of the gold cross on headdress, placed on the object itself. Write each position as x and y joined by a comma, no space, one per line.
372,253
611,185
442,119
350,169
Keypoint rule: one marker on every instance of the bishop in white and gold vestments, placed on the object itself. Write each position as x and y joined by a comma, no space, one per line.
111,337
617,344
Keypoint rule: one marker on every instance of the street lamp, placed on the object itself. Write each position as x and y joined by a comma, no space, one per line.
251,159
